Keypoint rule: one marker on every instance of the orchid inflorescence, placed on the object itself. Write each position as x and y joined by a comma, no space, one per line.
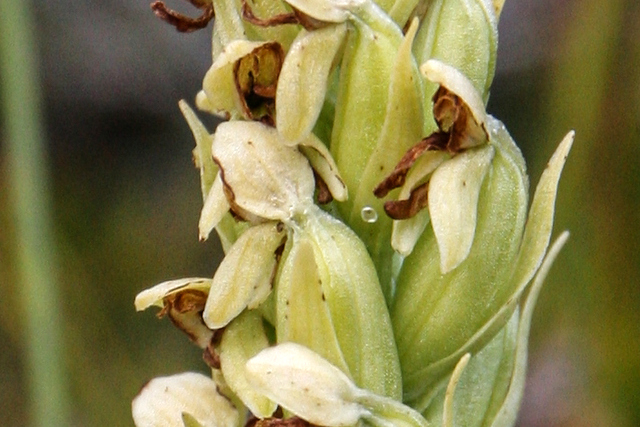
381,261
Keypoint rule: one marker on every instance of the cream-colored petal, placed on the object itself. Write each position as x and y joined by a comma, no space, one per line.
324,165
215,207
243,279
155,295
303,81
163,400
261,174
406,232
305,384
454,189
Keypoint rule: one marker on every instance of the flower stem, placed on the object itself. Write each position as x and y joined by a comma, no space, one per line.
29,197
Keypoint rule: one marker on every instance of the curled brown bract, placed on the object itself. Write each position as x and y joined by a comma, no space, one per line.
405,209
183,23
435,141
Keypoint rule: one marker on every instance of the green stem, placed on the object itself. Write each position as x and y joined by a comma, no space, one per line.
30,206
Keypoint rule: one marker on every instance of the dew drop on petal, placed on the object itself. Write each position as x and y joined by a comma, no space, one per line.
368,214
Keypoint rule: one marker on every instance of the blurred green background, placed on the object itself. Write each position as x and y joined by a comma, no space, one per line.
126,200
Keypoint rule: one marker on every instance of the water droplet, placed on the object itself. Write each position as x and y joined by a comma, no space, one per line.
368,214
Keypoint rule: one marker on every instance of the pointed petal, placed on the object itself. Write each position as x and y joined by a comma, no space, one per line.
215,207
303,81
322,162
453,203
245,275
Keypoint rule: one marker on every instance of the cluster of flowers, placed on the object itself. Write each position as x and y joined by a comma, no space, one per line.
380,264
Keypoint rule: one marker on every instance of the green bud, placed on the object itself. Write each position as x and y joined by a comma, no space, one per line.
358,309
487,390
378,117
462,34
329,299
438,317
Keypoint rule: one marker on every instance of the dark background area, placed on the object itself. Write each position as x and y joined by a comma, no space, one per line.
127,200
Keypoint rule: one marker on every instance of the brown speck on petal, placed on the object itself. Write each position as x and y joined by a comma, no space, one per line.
280,19
435,141
183,23
405,209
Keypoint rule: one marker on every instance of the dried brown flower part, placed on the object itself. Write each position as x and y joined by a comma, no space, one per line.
454,118
278,422
435,141
408,208
184,309
184,23
256,80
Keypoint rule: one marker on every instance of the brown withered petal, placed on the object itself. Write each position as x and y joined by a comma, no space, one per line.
184,309
256,78
323,194
404,209
280,19
183,23
435,141
278,422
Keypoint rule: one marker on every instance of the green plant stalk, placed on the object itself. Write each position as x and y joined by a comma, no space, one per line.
30,199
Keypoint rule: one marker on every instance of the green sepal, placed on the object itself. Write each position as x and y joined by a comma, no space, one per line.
436,317
303,313
358,309
463,34
242,339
